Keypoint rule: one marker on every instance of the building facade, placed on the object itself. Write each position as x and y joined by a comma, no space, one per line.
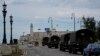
34,37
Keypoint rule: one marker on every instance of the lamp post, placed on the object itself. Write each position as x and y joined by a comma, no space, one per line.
11,22
51,21
38,32
4,16
81,24
73,17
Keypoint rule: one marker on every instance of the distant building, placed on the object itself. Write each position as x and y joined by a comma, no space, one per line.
37,36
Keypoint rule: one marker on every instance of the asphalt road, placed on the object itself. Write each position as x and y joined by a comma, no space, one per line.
45,51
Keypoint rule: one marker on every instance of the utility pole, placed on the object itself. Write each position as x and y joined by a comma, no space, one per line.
4,16
51,21
23,33
81,24
73,17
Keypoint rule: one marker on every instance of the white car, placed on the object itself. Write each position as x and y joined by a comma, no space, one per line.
30,45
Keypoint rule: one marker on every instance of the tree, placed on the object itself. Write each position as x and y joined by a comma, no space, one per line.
89,23
98,30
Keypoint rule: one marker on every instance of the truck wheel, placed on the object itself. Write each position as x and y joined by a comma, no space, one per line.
74,51
56,46
70,50
42,44
49,46
60,48
89,54
96,55
63,49
84,54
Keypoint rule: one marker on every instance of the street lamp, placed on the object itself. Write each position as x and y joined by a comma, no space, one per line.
11,22
4,16
38,32
81,24
51,21
73,17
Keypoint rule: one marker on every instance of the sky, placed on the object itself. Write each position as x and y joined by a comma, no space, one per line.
37,12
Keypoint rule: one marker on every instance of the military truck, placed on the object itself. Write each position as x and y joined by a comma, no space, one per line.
64,42
45,41
53,41
80,39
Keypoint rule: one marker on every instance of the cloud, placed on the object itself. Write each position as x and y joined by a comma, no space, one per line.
19,2
38,12
56,3
94,4
37,0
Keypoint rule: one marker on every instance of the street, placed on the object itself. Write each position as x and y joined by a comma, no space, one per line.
45,51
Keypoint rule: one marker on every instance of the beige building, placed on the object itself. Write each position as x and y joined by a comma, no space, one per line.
37,36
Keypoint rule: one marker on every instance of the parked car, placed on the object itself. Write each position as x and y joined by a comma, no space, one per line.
92,49
30,45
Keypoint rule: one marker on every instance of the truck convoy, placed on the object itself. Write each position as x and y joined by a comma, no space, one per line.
45,41
64,42
80,39
53,41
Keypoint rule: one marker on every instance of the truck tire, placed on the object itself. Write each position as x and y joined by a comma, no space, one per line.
84,54
60,48
70,50
74,50
56,46
63,49
81,52
88,54
49,46
42,44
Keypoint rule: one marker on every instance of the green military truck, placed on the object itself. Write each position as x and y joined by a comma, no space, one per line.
53,41
64,42
45,41
80,39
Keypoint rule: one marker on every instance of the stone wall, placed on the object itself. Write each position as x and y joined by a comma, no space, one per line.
12,50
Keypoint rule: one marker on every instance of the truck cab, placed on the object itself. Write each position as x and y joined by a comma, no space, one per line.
64,42
45,41
53,41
